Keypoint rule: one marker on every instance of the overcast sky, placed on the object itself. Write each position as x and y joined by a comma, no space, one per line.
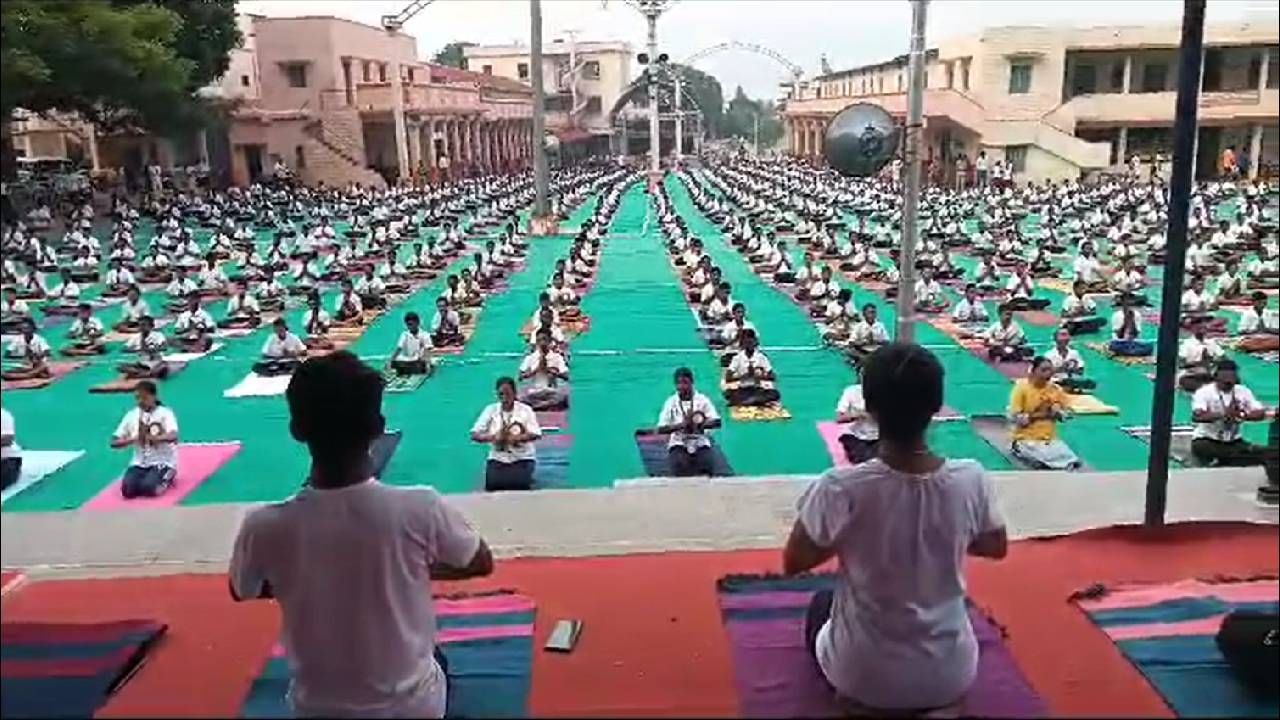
849,32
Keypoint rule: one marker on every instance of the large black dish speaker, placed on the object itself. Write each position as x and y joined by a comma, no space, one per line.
860,140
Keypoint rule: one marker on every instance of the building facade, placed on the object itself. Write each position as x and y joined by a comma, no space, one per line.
1061,102
582,81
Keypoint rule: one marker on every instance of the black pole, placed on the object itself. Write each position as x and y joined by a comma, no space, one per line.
1184,148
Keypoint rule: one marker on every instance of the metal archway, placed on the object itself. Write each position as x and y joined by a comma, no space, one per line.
796,71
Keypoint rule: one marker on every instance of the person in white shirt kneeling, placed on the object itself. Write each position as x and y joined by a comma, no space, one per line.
350,561
895,636
151,429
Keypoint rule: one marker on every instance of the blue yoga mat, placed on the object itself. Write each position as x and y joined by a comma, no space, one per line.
653,455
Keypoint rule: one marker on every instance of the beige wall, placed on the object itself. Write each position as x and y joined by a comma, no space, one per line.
242,64
615,74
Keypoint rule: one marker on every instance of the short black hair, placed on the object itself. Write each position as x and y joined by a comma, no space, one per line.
902,384
335,405
1226,364
504,380
683,372
148,387
412,316
1037,361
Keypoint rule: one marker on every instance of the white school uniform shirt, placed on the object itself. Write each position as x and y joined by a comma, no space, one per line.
865,333
153,454
1018,288
354,299
18,308
742,368
562,295
852,402
1117,322
1192,350
38,347
131,311
1086,269
965,311
1251,322
899,634
493,418
1194,301
674,411
1129,281
541,379
68,290
929,291
90,328
322,321
1060,360
1074,306
119,276
277,347
182,287
7,427
1011,335
386,667
414,348
198,320
236,305
1209,397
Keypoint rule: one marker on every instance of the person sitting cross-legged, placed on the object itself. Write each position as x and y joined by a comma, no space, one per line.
32,352
412,354
545,374
1068,365
1219,408
686,417
1005,340
1259,326
86,333
1196,357
1126,333
149,345
1080,312
283,351
383,546
900,526
750,375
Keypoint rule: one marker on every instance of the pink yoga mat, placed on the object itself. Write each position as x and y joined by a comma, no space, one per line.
830,434
1144,595
196,463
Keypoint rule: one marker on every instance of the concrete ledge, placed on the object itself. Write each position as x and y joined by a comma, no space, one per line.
656,515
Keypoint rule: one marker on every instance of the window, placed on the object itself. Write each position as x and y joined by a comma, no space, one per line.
296,73
1117,77
899,81
1154,76
486,69
1085,80
964,73
1016,156
1273,68
299,157
1254,73
366,71
522,71
382,72
880,84
594,104
591,70
244,81
1019,78
408,75
558,103
951,75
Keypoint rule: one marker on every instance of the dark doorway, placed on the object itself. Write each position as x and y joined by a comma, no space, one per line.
253,161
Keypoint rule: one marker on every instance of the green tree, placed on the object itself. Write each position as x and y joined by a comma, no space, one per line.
706,93
116,63
453,54
741,115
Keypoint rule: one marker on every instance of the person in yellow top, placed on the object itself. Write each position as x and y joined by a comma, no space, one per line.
1036,406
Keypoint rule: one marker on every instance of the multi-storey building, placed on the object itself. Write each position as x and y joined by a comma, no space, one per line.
1060,102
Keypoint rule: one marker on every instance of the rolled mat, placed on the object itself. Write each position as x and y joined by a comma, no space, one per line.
50,670
255,385
763,413
186,357
653,455
1167,632
36,466
777,677
57,370
487,641
1179,442
197,462
128,385
1089,405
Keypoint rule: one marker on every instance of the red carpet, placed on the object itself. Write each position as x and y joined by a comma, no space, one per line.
652,642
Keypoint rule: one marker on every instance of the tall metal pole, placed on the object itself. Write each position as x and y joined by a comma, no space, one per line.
398,123
1190,63
539,106
679,149
911,194
654,140
755,131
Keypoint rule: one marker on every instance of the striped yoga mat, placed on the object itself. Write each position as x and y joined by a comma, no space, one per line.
487,641
1168,633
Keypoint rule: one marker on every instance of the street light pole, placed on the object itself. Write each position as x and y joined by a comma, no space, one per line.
651,15
911,195
539,106
679,149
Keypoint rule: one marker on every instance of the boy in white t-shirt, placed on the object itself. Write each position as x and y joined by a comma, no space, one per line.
1219,409
350,560
152,430
10,451
895,634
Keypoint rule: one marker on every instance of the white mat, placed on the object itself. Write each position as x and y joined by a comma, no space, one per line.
234,332
189,356
36,465
255,385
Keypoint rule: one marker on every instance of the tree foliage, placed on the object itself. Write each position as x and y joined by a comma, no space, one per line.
705,91
453,54
740,118
126,62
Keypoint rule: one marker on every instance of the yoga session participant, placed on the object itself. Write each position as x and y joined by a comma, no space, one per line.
86,333
835,322
1219,408
545,321
13,312
149,345
1080,312
1005,339
749,379
1197,355
1068,365
867,334
860,437
970,310
930,297
372,290
194,327
1126,332
510,428
686,417
118,280
10,451
1021,288
1087,269
446,325
1259,326
65,296
151,429
348,309
242,309
315,324
282,353
412,353
32,352
132,310
388,543
1036,406
545,374
900,526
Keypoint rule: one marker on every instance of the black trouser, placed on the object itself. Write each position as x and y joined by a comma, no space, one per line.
1025,303
500,476
1009,353
858,450
1080,326
10,471
409,367
751,395
271,367
1237,453
1077,384
142,481
683,463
